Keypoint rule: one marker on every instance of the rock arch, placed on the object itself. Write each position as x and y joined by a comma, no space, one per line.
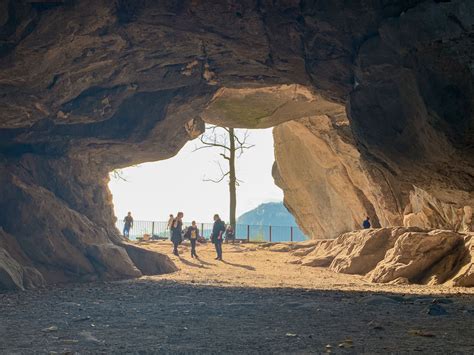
89,86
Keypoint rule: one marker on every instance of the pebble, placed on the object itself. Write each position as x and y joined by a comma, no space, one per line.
435,310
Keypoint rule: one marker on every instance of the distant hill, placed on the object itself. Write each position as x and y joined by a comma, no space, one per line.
270,213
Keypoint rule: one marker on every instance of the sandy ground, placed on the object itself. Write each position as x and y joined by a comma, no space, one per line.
247,265
252,302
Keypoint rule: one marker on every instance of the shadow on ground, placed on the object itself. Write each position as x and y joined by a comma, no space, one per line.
167,316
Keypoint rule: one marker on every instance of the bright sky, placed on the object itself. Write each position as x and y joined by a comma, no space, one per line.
154,190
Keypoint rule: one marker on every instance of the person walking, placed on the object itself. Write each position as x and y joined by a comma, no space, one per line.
193,234
176,232
217,232
128,224
366,223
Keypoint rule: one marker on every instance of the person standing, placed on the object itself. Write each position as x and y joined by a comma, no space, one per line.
128,224
366,223
169,226
176,232
217,232
193,234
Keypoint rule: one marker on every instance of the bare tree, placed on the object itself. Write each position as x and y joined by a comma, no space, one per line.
232,146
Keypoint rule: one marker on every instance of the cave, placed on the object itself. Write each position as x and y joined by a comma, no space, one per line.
372,104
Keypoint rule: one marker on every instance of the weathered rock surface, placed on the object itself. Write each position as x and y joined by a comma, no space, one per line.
11,273
409,115
87,87
465,276
15,270
330,187
324,179
414,253
393,255
148,262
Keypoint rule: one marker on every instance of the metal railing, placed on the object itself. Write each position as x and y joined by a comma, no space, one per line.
248,232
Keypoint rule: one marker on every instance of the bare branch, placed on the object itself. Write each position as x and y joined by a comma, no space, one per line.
224,156
244,139
208,144
219,180
220,168
242,148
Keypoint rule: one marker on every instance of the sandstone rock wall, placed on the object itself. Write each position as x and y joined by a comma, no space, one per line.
407,136
90,86
324,179
330,187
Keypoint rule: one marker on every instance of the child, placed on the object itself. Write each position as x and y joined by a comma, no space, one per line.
193,234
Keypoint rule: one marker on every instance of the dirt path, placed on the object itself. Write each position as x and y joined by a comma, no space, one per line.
213,307
246,265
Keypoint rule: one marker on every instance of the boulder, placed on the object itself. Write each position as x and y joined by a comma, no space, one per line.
399,255
361,251
356,252
148,261
112,261
414,253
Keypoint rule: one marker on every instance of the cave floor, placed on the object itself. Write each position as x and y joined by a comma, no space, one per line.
253,302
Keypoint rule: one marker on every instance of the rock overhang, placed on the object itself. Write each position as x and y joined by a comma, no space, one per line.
267,106
87,87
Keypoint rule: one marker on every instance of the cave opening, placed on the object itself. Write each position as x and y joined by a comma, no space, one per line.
371,109
317,165
188,182
369,119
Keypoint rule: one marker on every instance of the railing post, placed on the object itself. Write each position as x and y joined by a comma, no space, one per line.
291,233
152,229
202,230
270,230
248,233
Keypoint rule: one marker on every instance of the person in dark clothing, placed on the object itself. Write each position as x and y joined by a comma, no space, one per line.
176,232
193,234
229,234
366,223
169,226
216,237
128,224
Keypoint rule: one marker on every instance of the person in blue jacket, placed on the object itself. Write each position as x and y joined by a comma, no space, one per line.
217,235
366,223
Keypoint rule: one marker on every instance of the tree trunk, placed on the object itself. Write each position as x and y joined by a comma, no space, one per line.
232,180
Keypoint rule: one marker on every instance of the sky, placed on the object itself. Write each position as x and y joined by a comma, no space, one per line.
154,190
